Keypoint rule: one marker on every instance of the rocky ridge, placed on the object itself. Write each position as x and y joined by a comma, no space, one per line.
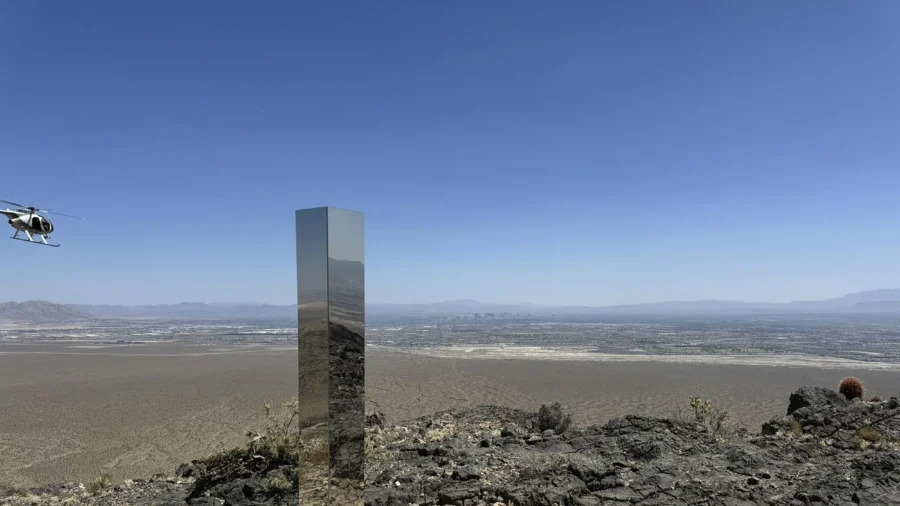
824,450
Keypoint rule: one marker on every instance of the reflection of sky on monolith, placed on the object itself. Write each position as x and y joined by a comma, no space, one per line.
312,321
312,270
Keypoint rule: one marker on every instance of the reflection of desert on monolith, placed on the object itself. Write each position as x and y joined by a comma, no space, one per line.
346,321
331,317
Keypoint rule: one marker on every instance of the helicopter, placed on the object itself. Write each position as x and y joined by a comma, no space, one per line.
26,220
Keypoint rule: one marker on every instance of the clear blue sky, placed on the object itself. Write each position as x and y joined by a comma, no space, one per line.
549,152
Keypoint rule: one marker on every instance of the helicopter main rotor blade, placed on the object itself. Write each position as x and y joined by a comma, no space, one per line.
11,203
61,214
36,210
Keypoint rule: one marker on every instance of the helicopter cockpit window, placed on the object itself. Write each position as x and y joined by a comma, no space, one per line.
45,225
36,223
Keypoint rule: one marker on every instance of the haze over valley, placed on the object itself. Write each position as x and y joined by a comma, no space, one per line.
859,329
211,366
870,301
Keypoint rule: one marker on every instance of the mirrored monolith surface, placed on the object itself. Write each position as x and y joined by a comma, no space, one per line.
331,332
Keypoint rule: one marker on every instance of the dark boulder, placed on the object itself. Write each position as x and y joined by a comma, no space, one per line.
815,397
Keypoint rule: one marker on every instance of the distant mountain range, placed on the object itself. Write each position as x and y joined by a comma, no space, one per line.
37,311
872,301
886,300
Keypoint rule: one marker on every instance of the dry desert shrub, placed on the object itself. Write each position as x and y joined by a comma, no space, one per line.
713,419
281,441
553,418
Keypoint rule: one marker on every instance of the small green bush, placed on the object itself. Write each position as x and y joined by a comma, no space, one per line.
796,428
869,433
553,418
715,420
277,483
281,441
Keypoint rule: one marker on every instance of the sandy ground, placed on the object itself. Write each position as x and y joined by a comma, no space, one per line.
405,385
71,411
571,354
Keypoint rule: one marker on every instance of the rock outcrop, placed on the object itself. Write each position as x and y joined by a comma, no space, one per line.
826,450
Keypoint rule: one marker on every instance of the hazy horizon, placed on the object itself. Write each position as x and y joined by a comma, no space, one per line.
466,299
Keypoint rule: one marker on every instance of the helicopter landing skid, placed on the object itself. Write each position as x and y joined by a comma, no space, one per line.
35,242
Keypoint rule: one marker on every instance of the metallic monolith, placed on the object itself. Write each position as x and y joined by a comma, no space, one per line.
331,332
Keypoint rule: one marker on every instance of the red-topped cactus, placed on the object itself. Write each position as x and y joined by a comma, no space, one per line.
851,388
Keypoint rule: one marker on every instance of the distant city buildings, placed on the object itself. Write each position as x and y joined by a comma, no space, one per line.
870,339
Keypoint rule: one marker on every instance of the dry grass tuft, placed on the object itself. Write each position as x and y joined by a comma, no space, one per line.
100,483
796,428
535,466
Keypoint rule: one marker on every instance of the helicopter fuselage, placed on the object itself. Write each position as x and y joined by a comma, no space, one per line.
27,220
32,223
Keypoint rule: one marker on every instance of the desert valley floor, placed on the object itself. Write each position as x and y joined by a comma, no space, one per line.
69,411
